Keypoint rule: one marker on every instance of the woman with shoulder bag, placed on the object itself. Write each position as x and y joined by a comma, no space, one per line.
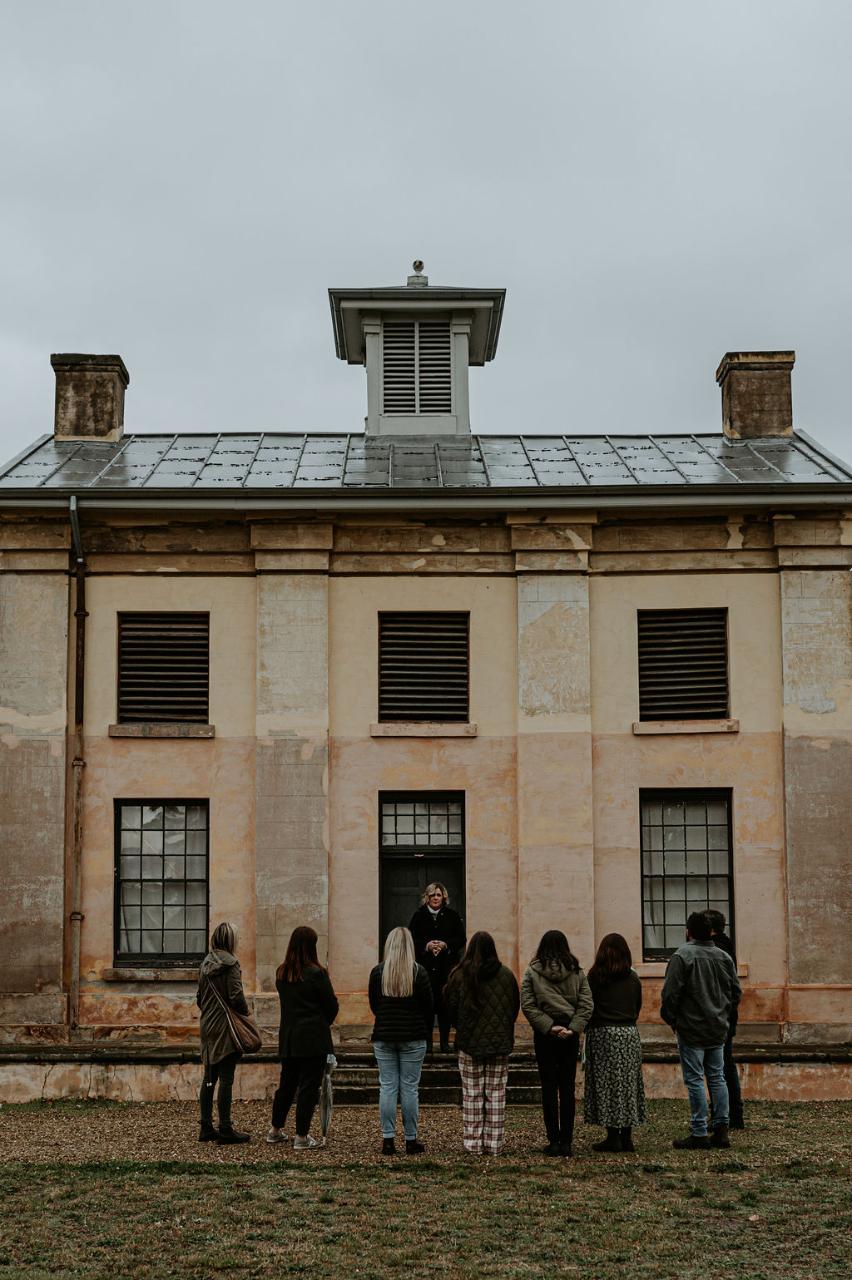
401,1000
308,1008
220,991
614,1094
557,1002
482,1001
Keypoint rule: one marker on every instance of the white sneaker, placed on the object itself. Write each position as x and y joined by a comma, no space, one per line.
276,1135
305,1144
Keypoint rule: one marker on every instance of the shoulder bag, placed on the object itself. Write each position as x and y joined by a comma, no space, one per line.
242,1026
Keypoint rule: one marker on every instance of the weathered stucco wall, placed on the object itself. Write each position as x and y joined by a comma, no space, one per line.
817,651
33,666
362,766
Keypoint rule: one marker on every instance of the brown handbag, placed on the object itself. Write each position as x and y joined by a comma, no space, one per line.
245,1032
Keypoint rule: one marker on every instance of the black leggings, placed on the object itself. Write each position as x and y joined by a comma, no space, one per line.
302,1077
221,1073
557,1069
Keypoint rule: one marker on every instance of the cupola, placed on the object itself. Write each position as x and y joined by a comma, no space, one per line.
417,342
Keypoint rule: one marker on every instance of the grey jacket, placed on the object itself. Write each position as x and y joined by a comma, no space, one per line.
700,994
555,997
223,969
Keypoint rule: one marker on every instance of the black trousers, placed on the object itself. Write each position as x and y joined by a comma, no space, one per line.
557,1069
444,1024
732,1080
300,1079
221,1073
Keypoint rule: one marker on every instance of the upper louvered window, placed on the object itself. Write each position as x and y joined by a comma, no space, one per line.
683,664
416,367
163,667
423,666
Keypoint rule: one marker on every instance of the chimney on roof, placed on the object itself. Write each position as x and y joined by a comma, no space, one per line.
757,398
89,397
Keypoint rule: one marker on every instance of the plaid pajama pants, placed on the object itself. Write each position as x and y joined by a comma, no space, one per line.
483,1103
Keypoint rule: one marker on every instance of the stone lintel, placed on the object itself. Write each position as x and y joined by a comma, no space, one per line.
423,729
146,730
685,726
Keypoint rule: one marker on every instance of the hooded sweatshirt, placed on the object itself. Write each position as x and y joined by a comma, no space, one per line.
555,996
223,969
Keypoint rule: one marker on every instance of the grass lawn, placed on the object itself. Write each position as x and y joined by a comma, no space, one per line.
125,1191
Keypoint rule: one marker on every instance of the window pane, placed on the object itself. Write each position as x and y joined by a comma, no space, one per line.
173,942
196,868
131,891
696,892
152,891
131,816
151,942
718,887
672,814
675,863
174,894
196,817
152,868
717,837
717,811
174,869
152,917
196,891
130,868
129,942
675,889
196,918
718,861
152,816
152,842
173,917
655,937
196,943
196,841
652,812
175,841
675,936
130,841
696,812
696,837
675,838
696,862
131,917
676,913
175,816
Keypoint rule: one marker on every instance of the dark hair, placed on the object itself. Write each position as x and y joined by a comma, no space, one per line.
554,949
468,971
698,926
613,961
301,954
716,921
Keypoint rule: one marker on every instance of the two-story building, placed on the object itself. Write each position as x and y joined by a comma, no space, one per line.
592,682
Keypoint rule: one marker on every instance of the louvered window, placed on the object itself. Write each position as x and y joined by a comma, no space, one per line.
163,666
683,664
423,666
416,367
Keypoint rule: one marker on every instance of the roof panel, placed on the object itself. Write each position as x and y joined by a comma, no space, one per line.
197,463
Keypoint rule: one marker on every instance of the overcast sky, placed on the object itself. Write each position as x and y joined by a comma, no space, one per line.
654,183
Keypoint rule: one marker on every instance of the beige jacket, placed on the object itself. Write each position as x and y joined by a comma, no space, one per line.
555,997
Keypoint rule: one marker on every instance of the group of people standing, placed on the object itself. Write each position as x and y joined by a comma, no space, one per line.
431,972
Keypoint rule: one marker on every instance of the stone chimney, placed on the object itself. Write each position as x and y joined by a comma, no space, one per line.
89,397
757,396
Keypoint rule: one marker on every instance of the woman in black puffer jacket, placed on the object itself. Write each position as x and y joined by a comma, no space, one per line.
482,1000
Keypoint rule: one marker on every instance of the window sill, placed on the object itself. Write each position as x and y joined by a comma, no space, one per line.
657,969
150,730
149,975
685,726
423,729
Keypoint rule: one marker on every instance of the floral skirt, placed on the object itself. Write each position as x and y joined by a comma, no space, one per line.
614,1093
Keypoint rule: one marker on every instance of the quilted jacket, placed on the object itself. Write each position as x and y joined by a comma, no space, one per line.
485,1030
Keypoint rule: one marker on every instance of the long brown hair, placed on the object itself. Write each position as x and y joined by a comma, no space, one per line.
613,961
468,972
554,950
301,954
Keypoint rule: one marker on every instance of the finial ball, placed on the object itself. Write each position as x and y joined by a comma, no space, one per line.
418,265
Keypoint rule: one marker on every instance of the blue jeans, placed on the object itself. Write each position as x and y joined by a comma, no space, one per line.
696,1062
400,1065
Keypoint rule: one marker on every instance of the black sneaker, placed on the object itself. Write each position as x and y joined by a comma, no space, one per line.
388,1147
208,1133
565,1150
413,1147
692,1143
552,1149
231,1137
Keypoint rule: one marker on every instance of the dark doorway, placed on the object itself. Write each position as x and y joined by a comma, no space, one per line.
421,839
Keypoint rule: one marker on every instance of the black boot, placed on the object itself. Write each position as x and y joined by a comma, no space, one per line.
228,1135
388,1147
208,1131
627,1140
692,1143
720,1136
413,1147
231,1137
612,1141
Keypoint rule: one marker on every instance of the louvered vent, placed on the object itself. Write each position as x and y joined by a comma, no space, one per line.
163,666
416,367
423,666
683,664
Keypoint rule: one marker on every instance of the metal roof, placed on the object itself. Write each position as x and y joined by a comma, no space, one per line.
402,465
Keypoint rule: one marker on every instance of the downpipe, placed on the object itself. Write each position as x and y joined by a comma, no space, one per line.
78,761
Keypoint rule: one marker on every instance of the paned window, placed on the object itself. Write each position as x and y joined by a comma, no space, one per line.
421,821
686,863
161,875
423,666
163,667
683,664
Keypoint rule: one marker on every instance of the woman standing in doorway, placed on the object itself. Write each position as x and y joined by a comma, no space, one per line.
557,1002
220,984
401,1000
614,1095
439,939
308,1008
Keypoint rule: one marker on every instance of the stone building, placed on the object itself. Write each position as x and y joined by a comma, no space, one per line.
591,682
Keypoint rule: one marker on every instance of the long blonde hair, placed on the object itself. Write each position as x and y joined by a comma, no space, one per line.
398,968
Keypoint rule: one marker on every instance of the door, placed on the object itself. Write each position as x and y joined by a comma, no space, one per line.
421,840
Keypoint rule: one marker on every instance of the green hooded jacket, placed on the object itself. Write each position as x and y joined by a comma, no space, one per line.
556,996
223,969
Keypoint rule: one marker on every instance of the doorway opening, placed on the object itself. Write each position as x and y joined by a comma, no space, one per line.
421,839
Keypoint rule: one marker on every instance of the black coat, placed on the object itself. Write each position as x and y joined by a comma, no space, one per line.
448,926
308,1009
401,1018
